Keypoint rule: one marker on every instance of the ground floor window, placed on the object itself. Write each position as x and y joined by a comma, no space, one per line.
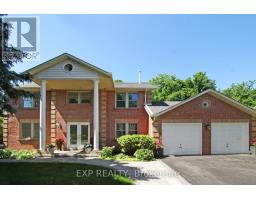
29,130
126,128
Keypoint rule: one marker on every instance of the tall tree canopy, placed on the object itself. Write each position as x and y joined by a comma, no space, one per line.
9,80
171,88
244,92
118,81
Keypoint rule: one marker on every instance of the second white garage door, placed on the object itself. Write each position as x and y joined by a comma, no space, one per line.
182,138
229,138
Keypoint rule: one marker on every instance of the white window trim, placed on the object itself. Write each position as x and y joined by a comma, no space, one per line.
126,100
78,124
33,103
126,127
79,97
32,122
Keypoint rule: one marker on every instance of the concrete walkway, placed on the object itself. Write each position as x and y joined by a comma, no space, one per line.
144,173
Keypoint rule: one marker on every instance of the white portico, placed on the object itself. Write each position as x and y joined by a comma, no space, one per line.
67,72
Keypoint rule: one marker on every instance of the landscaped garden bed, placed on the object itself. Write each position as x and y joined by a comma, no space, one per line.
17,154
59,174
132,148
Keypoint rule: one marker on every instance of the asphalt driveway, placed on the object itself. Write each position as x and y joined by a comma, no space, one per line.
215,170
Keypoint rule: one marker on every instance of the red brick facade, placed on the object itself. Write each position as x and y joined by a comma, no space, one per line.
58,111
133,115
192,111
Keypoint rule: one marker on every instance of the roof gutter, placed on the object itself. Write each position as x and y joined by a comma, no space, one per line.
150,113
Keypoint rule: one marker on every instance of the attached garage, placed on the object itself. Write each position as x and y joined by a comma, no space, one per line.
182,138
229,138
209,123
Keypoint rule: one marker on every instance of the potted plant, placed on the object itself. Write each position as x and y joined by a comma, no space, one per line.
253,147
50,148
159,151
87,148
60,141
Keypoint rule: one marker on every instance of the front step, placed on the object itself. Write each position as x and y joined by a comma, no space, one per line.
77,153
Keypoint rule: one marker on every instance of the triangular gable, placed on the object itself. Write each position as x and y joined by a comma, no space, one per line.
44,66
218,96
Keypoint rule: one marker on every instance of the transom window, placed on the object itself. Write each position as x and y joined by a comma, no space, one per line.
127,100
126,128
31,102
78,97
29,130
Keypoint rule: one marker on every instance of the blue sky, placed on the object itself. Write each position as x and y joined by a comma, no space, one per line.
223,46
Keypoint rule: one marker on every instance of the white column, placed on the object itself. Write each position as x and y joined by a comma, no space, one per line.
42,131
96,114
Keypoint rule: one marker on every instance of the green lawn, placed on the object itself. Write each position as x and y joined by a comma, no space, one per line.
59,174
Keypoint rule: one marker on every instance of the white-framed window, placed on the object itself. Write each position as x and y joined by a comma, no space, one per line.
31,102
79,97
127,99
120,129
126,128
29,129
132,128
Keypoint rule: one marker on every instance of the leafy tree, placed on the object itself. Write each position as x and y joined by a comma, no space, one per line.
9,80
171,88
1,130
202,82
118,81
244,92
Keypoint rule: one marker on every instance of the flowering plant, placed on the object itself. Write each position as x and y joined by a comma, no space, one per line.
50,146
253,142
60,139
159,144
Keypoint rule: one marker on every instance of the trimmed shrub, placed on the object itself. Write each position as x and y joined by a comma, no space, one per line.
15,154
106,152
116,149
144,154
121,156
5,153
23,154
131,143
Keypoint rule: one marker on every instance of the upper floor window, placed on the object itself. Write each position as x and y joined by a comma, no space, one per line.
30,130
120,100
31,102
127,100
79,97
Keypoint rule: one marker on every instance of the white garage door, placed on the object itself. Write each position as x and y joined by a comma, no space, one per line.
182,138
229,138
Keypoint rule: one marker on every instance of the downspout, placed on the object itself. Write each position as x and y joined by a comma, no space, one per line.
145,97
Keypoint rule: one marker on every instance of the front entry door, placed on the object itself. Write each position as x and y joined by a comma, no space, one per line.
78,134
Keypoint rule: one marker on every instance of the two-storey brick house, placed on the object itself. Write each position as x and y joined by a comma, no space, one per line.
81,102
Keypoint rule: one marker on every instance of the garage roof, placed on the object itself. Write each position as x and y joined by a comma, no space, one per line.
157,107
156,110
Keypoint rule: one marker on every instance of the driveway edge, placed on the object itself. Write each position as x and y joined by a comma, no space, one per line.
181,178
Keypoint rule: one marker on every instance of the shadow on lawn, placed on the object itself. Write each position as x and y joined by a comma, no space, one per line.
133,170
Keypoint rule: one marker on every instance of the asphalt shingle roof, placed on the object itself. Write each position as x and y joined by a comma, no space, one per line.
29,85
143,85
157,107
